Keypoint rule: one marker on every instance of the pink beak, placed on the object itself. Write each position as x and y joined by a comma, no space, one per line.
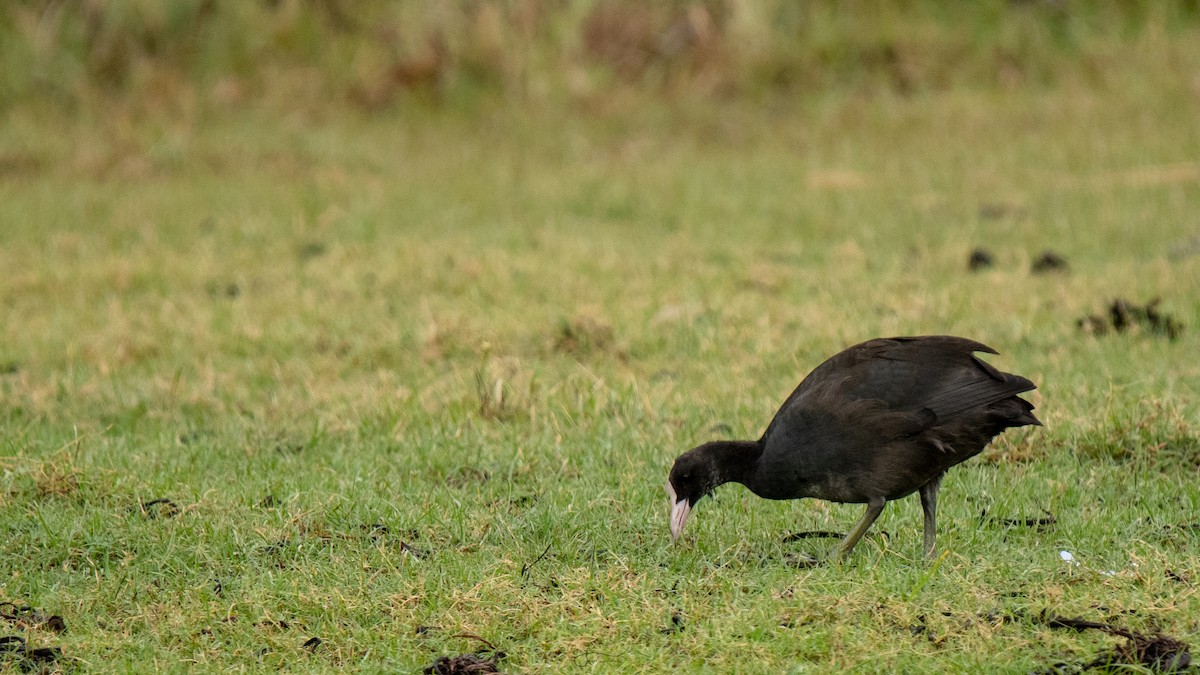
680,508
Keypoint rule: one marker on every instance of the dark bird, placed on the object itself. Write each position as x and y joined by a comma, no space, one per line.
876,422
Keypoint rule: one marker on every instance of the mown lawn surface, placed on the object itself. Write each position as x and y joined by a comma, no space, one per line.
415,379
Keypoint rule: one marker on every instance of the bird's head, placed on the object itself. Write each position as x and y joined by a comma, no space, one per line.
693,476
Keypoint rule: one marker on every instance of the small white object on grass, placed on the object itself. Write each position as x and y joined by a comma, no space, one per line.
1067,557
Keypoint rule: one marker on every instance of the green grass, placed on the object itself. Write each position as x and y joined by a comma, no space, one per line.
380,364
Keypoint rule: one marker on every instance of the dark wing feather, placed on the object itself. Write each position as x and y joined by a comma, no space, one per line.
965,396
934,378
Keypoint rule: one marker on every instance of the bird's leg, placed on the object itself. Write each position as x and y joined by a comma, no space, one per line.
929,505
874,508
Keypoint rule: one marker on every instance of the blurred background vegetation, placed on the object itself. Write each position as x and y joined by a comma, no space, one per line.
476,271
591,56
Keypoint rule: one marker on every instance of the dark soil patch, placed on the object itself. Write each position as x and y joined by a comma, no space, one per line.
14,648
377,531
159,508
1179,577
289,448
523,501
676,625
483,661
1159,653
513,504
27,617
1124,315
190,437
312,643
464,664
383,535
229,290
282,553
415,552
1039,524
1049,261
918,628
980,258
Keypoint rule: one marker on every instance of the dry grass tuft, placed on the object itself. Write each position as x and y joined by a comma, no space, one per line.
584,335
54,479
503,388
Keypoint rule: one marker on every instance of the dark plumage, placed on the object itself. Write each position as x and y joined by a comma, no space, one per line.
876,422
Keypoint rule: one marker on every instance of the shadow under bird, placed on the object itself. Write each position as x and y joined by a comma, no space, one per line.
876,422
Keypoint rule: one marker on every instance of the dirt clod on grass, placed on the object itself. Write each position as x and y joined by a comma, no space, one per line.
26,617
1124,315
382,535
159,508
377,532
980,258
1178,577
1049,261
1159,653
418,553
464,664
676,625
311,249
1039,524
14,648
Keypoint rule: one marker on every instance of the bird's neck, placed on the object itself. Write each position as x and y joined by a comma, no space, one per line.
737,460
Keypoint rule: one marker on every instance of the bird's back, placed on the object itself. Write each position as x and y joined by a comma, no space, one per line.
887,415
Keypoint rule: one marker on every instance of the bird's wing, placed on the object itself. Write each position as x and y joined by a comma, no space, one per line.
924,380
965,393
939,373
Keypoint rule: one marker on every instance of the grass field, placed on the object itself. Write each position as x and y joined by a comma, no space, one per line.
415,378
